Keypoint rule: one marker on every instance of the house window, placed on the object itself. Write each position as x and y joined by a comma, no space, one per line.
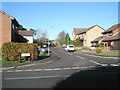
13,26
110,34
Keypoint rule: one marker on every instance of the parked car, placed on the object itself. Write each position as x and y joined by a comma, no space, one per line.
41,49
93,47
44,45
70,48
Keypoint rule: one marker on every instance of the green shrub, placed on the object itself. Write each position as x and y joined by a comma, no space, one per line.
100,45
12,51
85,48
0,54
98,50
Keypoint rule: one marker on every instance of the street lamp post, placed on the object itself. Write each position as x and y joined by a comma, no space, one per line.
48,47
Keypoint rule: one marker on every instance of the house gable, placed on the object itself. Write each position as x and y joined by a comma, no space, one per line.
93,33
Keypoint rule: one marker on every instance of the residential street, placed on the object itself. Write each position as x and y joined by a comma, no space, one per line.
70,65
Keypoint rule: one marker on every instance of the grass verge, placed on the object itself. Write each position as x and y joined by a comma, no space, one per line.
113,53
3,62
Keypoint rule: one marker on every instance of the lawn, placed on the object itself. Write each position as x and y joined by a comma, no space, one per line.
113,53
8,62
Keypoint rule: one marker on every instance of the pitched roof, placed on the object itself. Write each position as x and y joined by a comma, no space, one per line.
79,30
97,39
26,33
11,17
7,14
83,30
20,38
111,28
112,38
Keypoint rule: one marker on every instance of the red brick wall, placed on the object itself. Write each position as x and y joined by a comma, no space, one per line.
5,29
0,29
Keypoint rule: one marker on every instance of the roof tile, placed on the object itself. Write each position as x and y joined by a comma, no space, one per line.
26,33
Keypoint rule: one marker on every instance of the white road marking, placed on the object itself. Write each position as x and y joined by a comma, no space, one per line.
47,69
57,69
66,68
83,67
0,71
37,69
79,57
75,67
55,53
28,70
114,64
36,77
88,54
98,63
10,71
92,66
95,62
104,64
18,70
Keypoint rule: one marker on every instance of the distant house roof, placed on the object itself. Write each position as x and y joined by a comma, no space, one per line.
97,39
83,30
26,33
79,30
112,38
111,28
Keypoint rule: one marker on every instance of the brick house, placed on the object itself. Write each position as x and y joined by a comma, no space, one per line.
111,37
87,35
9,29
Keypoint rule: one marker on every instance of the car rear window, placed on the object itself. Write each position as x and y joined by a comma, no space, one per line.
71,46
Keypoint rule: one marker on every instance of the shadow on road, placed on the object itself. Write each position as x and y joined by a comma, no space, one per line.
42,57
101,77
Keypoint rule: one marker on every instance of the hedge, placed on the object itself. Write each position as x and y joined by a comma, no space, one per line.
12,51
98,50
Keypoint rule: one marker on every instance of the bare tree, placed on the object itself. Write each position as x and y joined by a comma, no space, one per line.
60,37
44,37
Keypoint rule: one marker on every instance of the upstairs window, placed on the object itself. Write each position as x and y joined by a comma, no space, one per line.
110,34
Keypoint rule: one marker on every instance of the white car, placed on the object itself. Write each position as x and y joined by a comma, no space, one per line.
92,47
70,48
44,46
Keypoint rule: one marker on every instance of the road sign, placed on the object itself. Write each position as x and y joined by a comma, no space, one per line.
25,54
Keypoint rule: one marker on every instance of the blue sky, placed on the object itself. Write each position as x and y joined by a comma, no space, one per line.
54,17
